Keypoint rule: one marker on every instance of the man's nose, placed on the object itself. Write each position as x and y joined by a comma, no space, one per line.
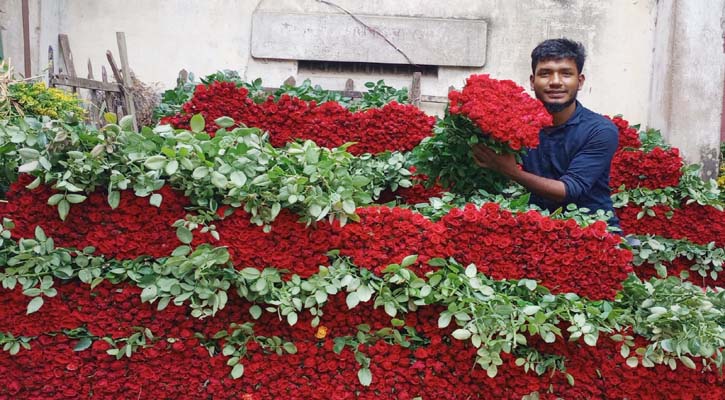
555,80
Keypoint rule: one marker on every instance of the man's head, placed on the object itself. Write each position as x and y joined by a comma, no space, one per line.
556,66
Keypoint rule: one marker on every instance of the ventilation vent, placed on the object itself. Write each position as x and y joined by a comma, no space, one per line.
336,67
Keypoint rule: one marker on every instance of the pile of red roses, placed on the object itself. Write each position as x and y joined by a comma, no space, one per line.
696,223
503,245
654,169
393,127
678,265
502,109
558,253
628,136
136,228
175,364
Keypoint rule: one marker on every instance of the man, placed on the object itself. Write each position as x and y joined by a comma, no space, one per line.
572,162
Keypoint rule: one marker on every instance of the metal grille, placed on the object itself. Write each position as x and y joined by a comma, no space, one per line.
365,68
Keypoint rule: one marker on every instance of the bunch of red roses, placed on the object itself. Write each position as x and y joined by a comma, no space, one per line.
393,127
501,109
136,228
694,222
653,169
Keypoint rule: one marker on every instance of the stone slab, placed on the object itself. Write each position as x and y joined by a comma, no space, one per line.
339,37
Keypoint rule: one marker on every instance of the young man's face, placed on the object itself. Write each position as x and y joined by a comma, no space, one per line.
556,83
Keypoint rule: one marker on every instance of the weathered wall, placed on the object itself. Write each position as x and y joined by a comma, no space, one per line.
687,80
636,47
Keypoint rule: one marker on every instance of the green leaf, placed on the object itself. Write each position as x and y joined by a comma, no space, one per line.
126,122
224,122
292,318
290,348
197,123
237,371
171,167
83,344
34,305
461,334
114,198
148,293
531,310
238,178
219,180
63,209
155,163
255,311
75,198
155,200
184,235
352,300
365,376
444,320
471,270
409,260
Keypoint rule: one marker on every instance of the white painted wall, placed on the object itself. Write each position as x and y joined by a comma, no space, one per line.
629,44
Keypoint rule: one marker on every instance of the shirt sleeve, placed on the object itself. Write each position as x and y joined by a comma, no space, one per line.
590,162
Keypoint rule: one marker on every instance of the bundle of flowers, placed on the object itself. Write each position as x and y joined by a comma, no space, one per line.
392,127
501,109
653,169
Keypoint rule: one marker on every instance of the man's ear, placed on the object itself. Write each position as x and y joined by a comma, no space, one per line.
531,81
582,78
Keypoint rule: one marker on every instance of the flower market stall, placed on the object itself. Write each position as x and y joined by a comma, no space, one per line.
301,245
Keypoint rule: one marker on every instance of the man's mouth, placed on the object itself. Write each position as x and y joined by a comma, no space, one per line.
555,95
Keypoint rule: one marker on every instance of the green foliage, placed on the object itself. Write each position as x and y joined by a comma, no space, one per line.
237,167
36,99
126,346
447,158
378,95
655,250
13,344
651,138
691,189
679,319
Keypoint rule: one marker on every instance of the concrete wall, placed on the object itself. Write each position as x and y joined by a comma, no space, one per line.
687,80
630,45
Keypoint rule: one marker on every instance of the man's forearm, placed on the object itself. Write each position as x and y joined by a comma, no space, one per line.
550,188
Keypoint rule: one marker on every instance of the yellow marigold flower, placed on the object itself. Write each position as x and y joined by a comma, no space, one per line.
321,332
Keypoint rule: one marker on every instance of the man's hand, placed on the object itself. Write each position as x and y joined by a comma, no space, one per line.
506,164
484,157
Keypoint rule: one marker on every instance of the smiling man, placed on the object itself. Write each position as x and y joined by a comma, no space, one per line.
572,162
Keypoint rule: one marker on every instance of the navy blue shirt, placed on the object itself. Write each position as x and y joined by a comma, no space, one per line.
579,154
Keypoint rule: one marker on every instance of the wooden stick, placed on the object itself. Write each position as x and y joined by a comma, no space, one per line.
67,57
71,81
127,84
51,67
114,67
415,89
108,96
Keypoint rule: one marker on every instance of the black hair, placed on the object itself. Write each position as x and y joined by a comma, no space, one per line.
557,49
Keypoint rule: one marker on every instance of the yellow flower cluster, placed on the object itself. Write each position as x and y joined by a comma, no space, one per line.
721,178
37,99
